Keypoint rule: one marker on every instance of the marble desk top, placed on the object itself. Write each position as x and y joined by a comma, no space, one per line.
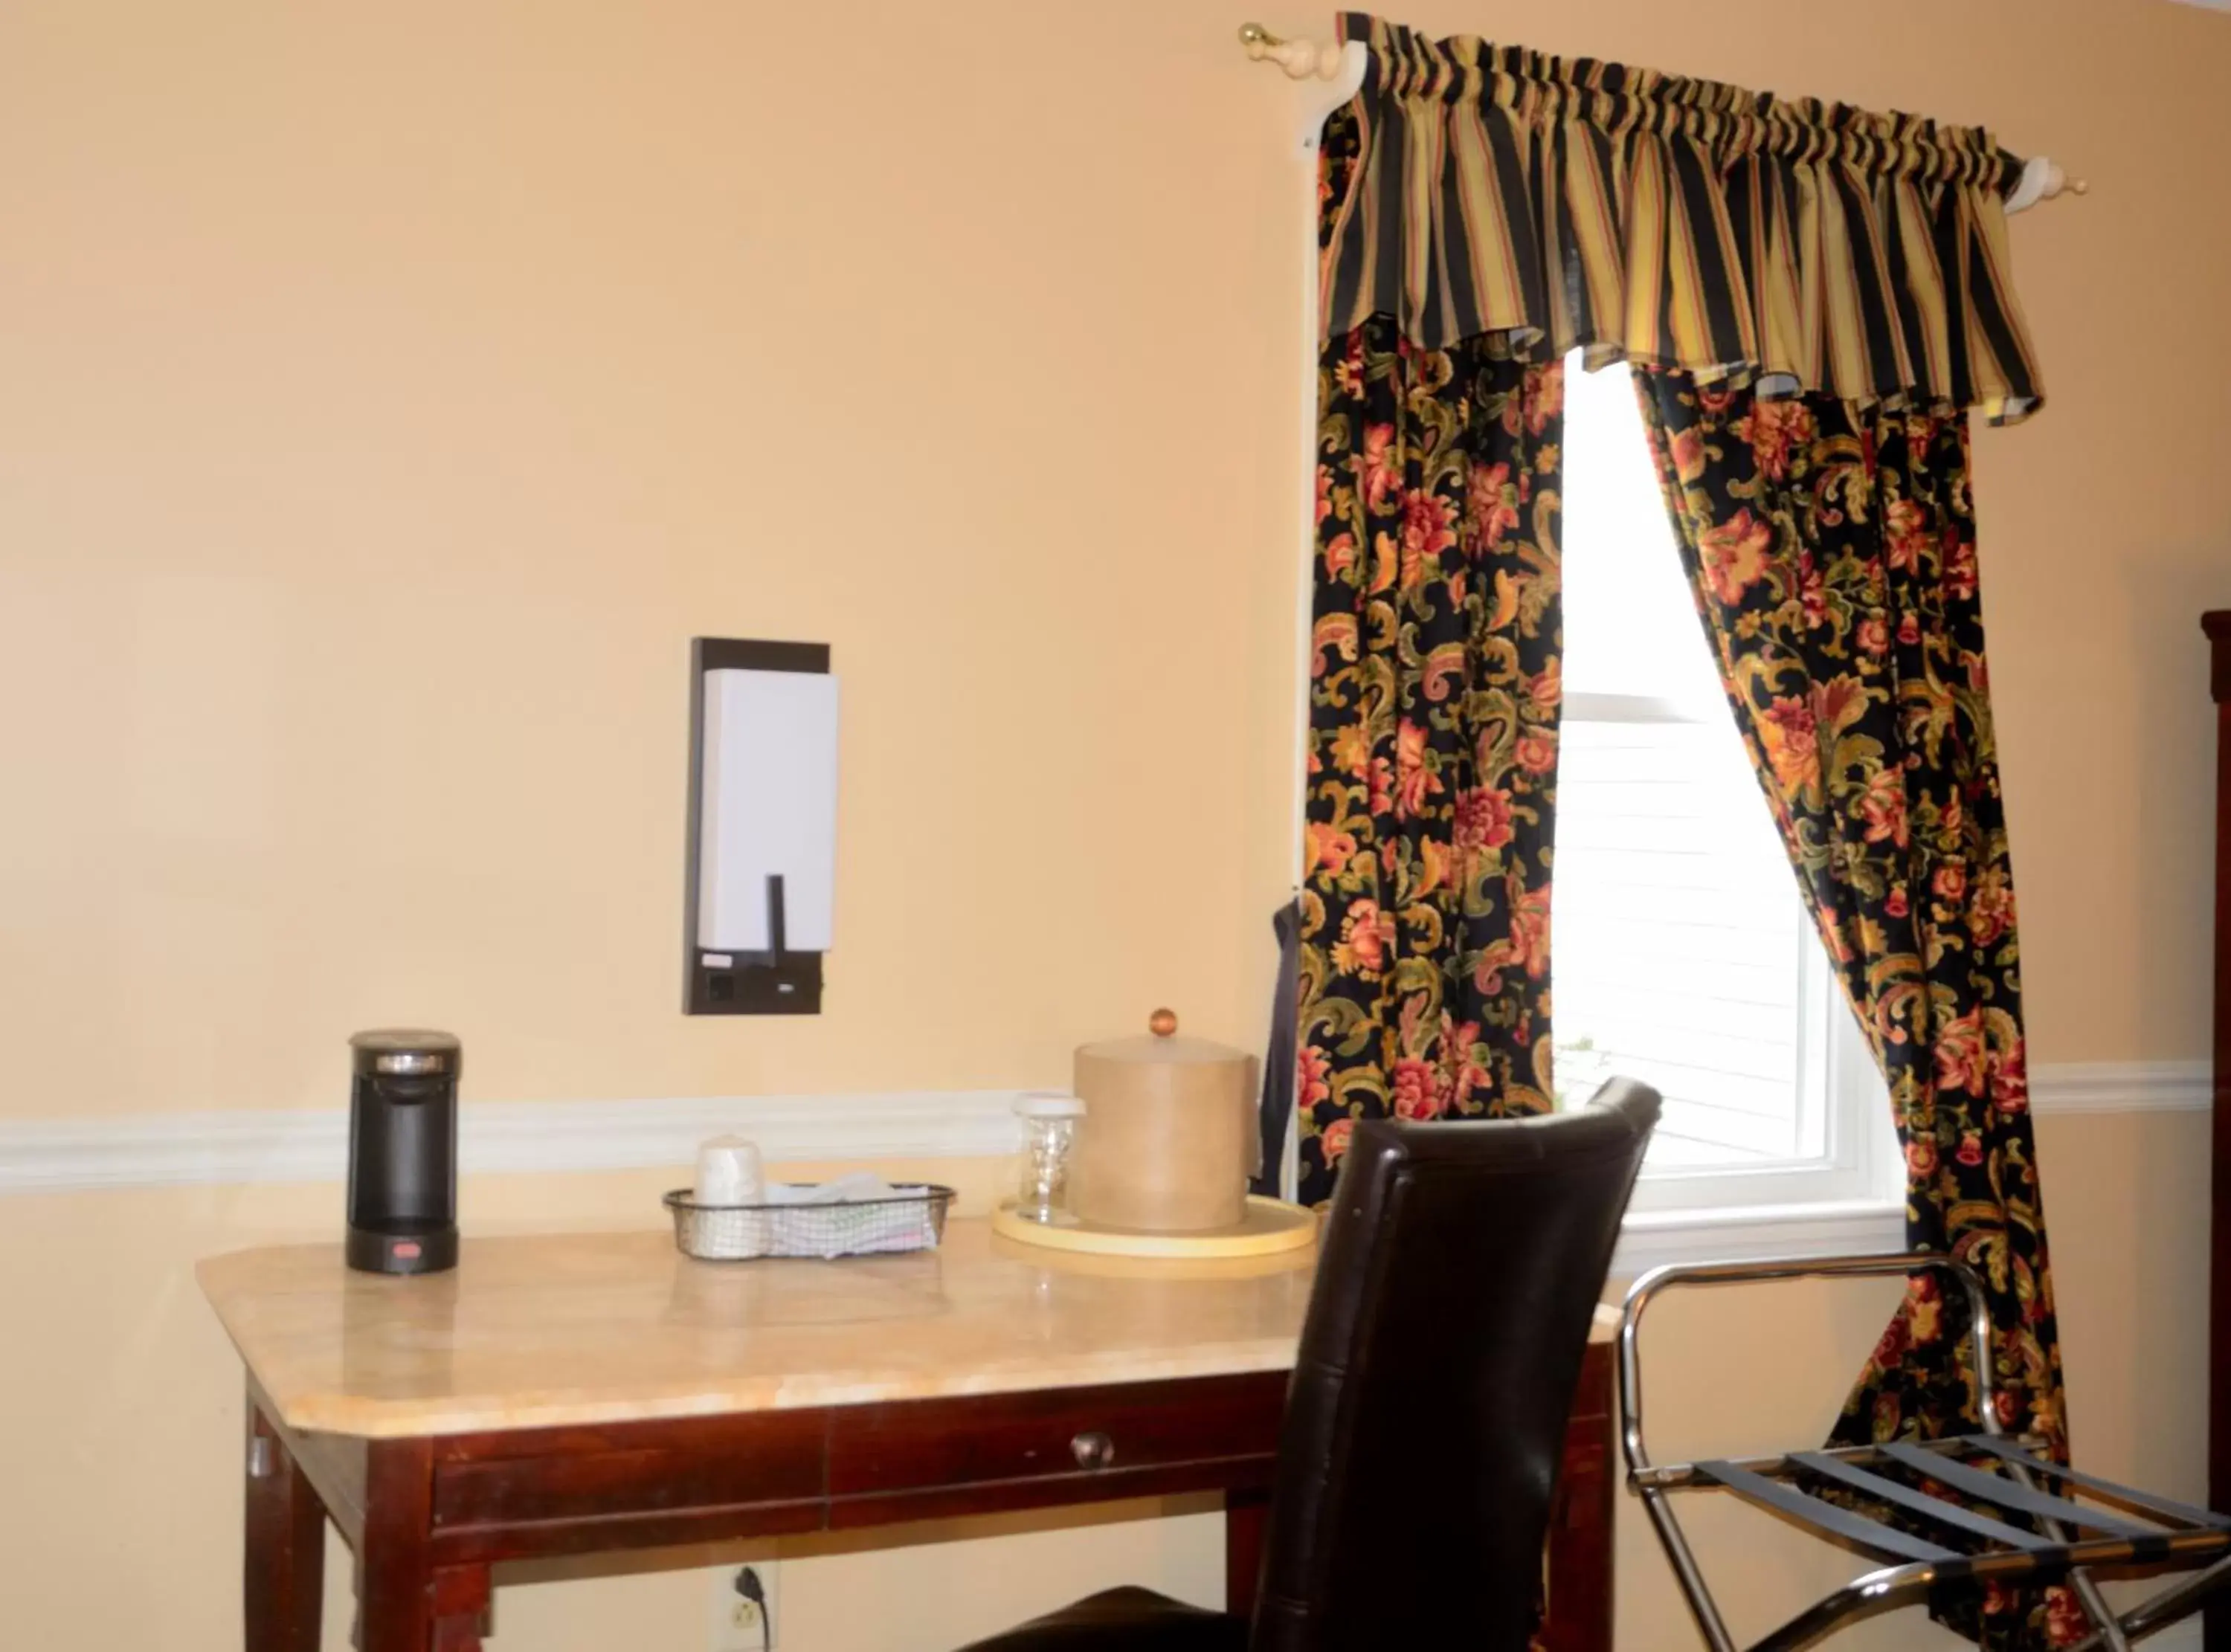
564,1328
573,1328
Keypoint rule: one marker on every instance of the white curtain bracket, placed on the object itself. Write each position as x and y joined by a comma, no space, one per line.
2041,180
1332,73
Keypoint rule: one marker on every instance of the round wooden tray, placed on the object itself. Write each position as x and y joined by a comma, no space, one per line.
1269,1226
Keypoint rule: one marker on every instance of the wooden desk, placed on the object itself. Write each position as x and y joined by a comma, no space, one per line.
576,1393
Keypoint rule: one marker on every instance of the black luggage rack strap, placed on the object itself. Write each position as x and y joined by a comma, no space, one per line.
2123,1539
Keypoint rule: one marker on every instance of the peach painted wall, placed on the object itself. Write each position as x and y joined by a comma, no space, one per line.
387,394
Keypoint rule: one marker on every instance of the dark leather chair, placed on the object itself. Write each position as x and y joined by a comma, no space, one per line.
1461,1268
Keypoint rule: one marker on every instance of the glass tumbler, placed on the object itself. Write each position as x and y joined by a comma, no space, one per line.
1050,1125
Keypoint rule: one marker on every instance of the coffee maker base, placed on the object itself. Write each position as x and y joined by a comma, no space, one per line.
429,1251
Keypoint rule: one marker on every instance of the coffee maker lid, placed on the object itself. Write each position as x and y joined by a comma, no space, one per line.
405,1049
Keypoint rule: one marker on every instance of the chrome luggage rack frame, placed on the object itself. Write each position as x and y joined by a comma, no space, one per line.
2140,1533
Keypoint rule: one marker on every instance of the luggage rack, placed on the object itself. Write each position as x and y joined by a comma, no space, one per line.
1938,1542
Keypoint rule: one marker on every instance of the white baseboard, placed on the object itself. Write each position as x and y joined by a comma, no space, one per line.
159,1150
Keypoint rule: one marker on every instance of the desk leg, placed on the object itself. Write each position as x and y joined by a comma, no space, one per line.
1245,1514
1578,1566
283,1583
404,1603
461,1603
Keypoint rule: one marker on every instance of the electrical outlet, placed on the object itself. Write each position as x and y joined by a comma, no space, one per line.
743,1607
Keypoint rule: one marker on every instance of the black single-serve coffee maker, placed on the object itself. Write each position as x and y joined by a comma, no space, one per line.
403,1152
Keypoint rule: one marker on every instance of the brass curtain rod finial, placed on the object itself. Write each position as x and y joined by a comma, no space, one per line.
1302,59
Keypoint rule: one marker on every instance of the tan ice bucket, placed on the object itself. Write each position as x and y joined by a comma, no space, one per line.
1169,1139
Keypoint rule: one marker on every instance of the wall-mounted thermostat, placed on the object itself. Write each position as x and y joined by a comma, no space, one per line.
762,827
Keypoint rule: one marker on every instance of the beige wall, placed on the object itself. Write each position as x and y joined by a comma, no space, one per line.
386,396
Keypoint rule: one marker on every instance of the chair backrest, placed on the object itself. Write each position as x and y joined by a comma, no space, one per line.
1461,1268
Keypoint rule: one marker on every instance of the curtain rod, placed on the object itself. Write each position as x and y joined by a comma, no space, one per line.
1340,71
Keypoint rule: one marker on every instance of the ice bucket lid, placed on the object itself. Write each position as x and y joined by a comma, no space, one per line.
1160,1043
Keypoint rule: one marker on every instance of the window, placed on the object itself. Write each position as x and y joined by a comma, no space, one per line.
1683,955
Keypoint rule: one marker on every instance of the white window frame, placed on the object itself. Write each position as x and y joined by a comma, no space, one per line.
1849,1196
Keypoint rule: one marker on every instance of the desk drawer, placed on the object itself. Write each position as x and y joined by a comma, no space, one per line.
556,1474
928,1445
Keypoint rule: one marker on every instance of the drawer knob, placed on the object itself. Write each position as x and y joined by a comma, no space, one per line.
1092,1450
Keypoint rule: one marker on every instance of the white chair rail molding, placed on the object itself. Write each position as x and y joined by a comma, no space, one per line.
528,1137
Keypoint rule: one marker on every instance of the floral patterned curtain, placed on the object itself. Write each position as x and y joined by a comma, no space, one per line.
1832,553
1483,209
1433,739
1434,703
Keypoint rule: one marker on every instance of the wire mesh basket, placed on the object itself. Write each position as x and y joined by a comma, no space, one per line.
913,1220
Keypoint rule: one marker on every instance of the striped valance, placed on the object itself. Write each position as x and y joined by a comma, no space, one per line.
1481,189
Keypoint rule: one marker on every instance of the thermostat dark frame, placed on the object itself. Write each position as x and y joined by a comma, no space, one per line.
777,982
